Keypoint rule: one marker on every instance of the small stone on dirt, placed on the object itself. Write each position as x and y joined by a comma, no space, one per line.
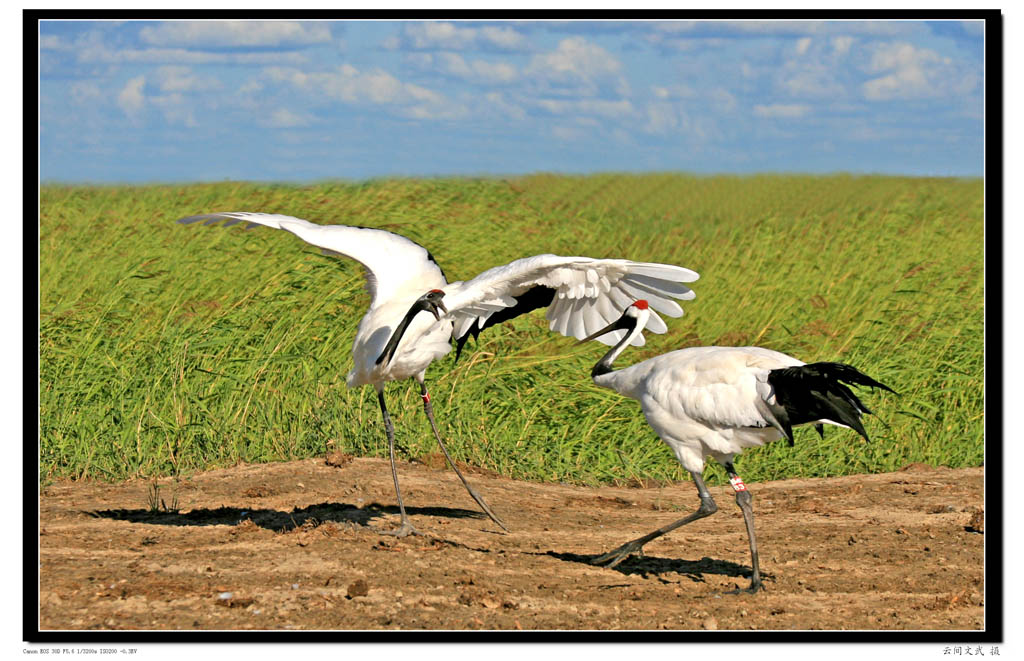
977,522
338,459
710,623
358,588
236,602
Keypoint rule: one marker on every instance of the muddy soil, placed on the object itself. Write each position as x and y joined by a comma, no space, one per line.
296,546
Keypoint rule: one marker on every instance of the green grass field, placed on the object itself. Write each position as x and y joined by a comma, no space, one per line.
167,349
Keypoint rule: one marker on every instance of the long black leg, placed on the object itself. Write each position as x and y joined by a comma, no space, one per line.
744,499
406,528
707,508
428,408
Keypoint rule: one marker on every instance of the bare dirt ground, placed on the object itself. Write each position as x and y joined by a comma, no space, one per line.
295,546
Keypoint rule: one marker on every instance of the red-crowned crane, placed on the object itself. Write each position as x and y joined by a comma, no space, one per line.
717,401
395,342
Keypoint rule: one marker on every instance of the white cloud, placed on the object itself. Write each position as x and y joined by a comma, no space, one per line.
575,57
173,105
673,119
841,45
496,101
674,92
476,71
580,68
50,42
444,35
375,87
718,98
233,34
430,35
96,52
819,69
788,28
781,110
914,73
662,118
689,36
176,109
816,81
184,79
685,44
673,27
284,118
974,28
505,38
901,55
608,109
132,99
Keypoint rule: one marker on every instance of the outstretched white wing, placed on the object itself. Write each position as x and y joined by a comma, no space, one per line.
583,295
394,264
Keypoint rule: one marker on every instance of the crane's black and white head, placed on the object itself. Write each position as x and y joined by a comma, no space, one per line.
430,302
633,317
633,321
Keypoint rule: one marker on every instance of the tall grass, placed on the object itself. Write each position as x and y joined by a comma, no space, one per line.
167,349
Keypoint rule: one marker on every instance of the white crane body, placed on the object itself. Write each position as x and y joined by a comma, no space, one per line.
425,340
718,401
703,401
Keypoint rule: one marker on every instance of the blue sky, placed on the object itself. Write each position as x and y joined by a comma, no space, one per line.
140,101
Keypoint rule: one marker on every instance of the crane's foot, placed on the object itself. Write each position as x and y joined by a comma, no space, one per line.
755,587
614,557
404,530
487,510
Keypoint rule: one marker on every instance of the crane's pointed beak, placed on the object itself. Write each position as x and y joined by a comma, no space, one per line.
622,322
435,306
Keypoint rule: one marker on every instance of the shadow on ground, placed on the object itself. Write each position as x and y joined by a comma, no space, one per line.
648,565
276,520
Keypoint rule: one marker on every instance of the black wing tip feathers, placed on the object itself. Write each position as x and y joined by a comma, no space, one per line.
217,218
194,219
460,342
539,296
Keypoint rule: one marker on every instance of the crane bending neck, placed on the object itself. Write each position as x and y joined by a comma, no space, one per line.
396,336
604,366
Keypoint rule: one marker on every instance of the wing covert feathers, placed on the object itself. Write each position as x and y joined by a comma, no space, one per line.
582,294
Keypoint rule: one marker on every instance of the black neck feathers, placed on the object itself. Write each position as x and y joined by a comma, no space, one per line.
396,337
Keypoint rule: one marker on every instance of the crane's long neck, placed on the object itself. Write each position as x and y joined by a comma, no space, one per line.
604,366
396,336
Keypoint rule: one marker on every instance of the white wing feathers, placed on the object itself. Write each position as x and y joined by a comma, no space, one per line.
393,263
589,293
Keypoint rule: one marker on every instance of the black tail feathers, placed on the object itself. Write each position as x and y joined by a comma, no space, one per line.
817,392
